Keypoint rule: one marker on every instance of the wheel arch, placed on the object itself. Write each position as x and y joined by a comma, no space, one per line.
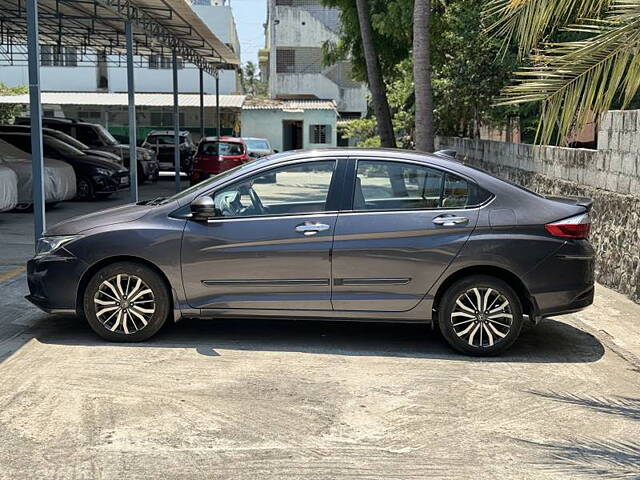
86,276
528,304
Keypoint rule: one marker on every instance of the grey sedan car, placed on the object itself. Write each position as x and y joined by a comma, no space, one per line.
343,234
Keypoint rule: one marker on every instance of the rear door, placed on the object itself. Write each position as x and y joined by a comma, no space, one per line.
407,223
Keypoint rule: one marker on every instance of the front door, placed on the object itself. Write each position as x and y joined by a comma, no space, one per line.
408,222
269,247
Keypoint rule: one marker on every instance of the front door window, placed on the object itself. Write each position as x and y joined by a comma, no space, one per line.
291,190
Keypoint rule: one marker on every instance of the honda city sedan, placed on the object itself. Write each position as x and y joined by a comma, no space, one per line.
342,234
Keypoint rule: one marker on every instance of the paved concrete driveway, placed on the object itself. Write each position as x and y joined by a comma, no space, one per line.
249,399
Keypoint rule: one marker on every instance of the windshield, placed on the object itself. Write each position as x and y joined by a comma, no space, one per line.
226,148
163,139
61,146
66,139
106,137
210,180
258,145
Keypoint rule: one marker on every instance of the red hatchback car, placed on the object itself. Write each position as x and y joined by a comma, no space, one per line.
216,155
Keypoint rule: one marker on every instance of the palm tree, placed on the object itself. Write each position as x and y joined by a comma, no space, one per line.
422,75
376,84
572,79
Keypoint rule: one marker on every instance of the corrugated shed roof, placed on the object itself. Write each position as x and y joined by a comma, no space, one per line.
272,104
120,99
101,24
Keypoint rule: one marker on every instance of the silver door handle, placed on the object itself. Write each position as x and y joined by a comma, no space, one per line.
450,221
312,228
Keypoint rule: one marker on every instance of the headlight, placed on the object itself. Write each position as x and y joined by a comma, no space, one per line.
47,245
103,171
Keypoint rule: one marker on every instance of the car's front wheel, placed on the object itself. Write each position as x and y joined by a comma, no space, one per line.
126,302
480,315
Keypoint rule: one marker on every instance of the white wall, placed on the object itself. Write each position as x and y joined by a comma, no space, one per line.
84,78
300,27
76,79
161,80
268,124
347,99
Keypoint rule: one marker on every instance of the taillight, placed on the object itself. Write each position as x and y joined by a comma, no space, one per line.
573,227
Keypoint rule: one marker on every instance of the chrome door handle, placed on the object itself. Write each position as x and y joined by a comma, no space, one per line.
450,220
309,228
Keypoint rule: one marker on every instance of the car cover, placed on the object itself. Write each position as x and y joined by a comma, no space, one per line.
59,179
8,189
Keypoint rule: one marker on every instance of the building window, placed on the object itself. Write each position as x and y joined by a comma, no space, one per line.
285,60
165,119
319,134
299,60
90,116
58,56
157,62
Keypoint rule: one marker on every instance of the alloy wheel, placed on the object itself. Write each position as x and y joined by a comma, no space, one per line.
124,304
482,317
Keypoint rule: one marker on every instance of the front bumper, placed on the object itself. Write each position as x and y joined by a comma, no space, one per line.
114,183
53,282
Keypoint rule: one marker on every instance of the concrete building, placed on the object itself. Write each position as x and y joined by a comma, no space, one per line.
292,59
65,69
290,124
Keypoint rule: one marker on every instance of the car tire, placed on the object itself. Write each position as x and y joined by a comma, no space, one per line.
84,189
108,309
480,315
23,208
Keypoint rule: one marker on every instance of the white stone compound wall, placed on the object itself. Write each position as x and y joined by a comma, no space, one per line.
609,175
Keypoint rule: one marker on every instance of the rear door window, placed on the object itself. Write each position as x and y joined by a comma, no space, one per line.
226,148
388,185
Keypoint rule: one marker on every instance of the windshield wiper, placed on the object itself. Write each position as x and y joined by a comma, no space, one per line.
155,201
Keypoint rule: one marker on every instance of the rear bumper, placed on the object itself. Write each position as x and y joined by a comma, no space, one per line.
563,302
564,282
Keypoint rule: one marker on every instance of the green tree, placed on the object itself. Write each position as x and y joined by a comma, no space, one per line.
251,82
576,77
9,111
469,71
422,75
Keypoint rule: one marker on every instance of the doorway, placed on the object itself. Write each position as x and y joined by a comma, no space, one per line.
291,134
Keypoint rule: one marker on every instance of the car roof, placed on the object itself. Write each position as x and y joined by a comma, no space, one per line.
167,132
389,154
223,139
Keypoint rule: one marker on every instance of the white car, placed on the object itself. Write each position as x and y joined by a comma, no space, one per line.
59,177
8,189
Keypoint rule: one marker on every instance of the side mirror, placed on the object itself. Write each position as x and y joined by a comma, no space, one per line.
275,151
203,208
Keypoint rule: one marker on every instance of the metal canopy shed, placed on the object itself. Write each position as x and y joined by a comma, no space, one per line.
131,27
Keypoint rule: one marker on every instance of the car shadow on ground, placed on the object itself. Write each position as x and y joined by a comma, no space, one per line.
550,342
604,457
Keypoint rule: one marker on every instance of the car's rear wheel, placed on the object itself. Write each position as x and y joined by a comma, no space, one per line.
480,315
126,302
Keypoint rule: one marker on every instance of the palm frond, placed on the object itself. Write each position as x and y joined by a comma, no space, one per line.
575,80
527,22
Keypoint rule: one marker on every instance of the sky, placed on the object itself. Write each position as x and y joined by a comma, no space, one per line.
250,15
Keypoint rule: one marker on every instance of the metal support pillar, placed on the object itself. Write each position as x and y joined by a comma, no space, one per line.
201,104
133,155
37,163
176,122
218,131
